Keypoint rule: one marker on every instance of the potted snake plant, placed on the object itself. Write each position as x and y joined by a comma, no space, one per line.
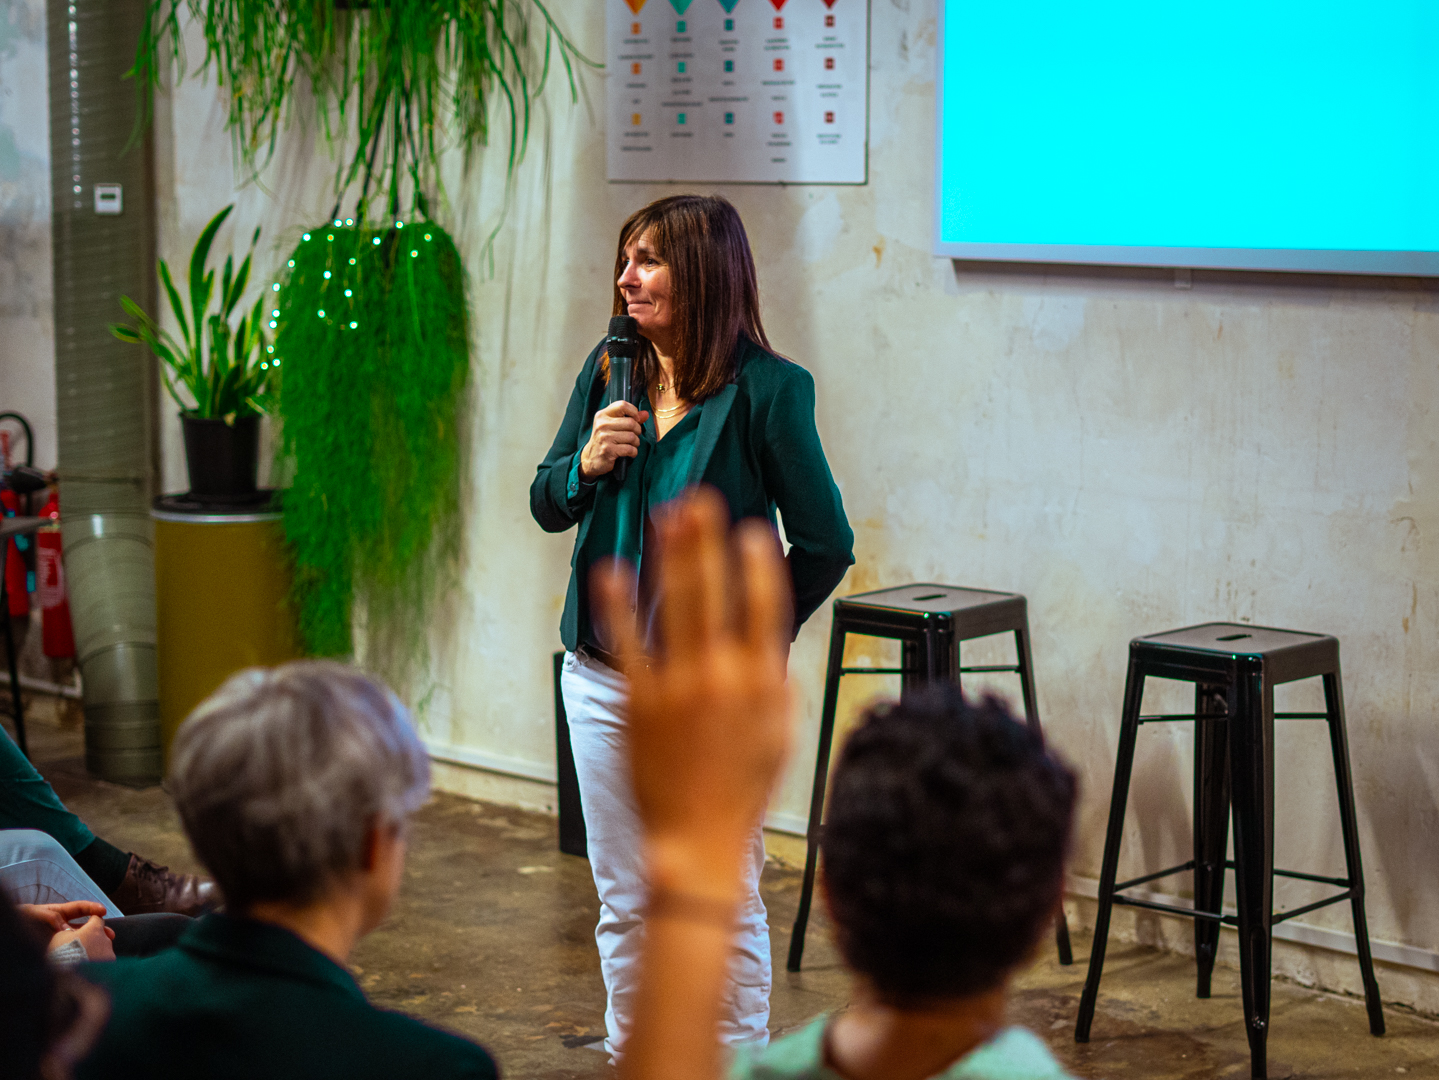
222,373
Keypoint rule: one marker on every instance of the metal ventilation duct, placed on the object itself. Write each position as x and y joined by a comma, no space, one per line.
104,246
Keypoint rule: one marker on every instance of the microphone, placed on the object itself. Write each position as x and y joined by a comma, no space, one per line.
623,346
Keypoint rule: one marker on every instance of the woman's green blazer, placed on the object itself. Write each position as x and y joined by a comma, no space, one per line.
756,444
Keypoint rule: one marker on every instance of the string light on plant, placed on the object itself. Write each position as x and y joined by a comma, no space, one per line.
327,275
400,384
276,286
305,237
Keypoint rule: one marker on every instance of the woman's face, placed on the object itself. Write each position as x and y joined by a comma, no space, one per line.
645,284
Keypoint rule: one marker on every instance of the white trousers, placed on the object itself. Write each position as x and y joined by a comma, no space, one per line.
35,869
596,701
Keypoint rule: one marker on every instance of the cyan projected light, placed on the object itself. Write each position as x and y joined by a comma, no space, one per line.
1262,134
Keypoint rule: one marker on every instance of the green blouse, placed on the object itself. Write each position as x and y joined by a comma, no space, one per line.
656,475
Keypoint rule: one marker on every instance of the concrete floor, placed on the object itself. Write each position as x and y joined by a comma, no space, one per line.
492,938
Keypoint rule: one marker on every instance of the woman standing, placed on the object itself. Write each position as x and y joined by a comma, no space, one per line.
716,407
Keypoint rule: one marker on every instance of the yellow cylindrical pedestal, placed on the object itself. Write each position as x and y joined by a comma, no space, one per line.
222,603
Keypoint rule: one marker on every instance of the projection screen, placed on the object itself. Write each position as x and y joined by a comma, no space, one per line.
1247,134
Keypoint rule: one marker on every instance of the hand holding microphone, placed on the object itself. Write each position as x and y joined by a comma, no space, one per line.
615,437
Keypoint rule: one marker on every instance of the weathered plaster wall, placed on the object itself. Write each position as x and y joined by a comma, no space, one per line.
27,331
1132,456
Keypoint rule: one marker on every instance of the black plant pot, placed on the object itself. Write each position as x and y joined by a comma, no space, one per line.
223,459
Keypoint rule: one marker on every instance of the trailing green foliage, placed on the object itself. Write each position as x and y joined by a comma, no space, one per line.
224,369
404,76
374,342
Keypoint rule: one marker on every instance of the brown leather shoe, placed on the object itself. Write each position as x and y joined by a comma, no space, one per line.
148,888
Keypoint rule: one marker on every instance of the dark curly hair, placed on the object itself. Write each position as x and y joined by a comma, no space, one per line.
944,845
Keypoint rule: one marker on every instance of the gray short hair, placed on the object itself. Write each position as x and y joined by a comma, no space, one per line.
278,774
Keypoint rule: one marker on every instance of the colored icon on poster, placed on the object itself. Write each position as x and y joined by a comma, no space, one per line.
829,4
635,5
777,4
729,6
679,6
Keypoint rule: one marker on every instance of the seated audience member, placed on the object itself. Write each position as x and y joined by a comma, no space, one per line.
130,885
294,786
944,845
943,866
39,875
49,1017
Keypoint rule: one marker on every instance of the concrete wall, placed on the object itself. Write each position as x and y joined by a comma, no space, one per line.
1131,455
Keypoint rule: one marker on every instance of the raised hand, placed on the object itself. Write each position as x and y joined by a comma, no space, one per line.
708,733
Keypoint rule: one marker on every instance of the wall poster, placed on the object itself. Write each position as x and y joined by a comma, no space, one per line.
758,91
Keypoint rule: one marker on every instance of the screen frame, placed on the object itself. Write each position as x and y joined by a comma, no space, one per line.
1297,260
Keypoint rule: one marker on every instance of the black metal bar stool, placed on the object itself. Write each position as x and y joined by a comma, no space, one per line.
929,621
1235,669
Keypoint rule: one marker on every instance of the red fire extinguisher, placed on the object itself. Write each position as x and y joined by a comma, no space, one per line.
57,636
17,579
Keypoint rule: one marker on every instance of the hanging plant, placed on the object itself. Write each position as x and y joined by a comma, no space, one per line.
393,82
371,318
374,332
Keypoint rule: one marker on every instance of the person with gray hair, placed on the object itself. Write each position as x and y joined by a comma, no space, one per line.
294,785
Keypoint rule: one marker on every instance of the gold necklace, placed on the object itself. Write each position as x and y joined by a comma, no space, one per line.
665,414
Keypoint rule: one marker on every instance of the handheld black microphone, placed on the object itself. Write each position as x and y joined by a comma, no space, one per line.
623,346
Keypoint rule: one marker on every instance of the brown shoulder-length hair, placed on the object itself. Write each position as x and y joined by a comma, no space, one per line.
713,289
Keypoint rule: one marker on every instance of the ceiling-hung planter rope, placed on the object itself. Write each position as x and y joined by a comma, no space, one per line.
373,333
371,316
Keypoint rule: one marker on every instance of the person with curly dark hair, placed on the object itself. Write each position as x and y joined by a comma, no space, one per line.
943,867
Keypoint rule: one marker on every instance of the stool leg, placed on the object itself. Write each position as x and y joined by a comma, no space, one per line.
912,665
1339,742
1026,676
816,802
1211,825
1251,758
1031,716
1118,799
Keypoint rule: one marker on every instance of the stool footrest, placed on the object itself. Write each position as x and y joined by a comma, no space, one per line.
1156,875
1301,716
1280,917
1165,718
878,671
1230,920
1342,882
990,667
1175,909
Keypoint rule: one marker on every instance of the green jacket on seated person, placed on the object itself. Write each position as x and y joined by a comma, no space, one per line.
238,998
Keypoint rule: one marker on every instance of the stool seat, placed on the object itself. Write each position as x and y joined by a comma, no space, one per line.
929,620
1235,668
1218,647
